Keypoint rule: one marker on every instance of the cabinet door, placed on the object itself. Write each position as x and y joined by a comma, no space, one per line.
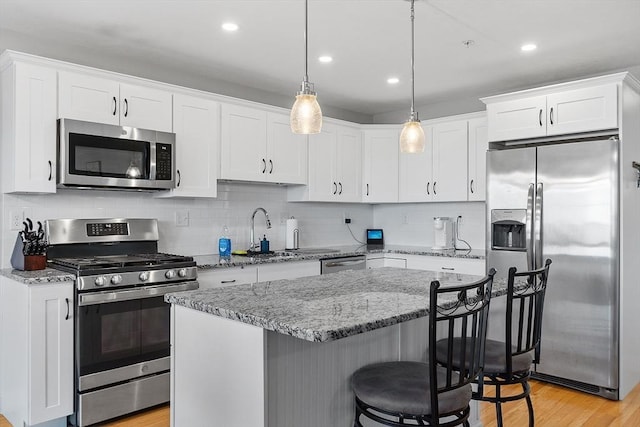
288,270
28,129
380,166
222,277
88,98
51,352
196,122
583,110
416,172
349,165
447,264
478,145
517,119
146,108
286,152
450,161
323,185
243,143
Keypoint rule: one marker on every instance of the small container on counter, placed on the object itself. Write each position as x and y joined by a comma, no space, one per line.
264,245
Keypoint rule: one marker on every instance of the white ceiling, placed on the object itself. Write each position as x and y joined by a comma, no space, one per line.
368,39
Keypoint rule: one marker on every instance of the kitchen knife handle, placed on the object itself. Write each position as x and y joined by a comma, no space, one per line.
126,107
471,186
271,164
67,316
340,184
335,188
179,178
540,117
115,105
551,115
264,165
50,170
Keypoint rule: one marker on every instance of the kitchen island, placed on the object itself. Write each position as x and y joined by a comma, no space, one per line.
281,353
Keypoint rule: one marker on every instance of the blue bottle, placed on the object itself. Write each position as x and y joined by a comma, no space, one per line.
224,243
264,245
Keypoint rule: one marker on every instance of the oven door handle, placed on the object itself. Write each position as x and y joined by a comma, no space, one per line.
138,293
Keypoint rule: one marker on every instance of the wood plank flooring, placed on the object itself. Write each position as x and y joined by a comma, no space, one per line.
554,406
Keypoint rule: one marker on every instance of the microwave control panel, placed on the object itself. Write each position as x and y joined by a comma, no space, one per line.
163,161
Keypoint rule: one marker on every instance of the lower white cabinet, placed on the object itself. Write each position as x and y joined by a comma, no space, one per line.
288,270
388,260
447,264
221,277
37,352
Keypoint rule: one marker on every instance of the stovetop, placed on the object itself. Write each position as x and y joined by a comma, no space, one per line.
120,263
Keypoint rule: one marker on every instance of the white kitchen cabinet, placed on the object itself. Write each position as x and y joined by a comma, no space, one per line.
416,172
101,100
231,276
478,145
557,111
446,264
28,126
335,166
259,146
450,161
37,384
196,123
288,270
386,260
380,165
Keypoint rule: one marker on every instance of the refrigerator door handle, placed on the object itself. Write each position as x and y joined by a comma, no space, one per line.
529,228
537,229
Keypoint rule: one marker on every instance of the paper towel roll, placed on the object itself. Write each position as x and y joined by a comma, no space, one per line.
293,234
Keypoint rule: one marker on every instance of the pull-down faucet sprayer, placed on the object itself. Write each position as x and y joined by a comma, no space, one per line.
255,245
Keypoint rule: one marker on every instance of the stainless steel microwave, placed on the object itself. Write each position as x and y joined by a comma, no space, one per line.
95,155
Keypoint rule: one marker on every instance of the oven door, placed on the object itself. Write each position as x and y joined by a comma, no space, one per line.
123,334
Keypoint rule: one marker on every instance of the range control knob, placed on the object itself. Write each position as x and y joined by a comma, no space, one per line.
182,272
100,281
116,279
144,276
170,274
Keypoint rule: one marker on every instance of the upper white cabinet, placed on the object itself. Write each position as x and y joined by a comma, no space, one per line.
28,126
37,341
416,172
477,154
335,166
380,165
196,123
556,111
259,146
450,161
95,99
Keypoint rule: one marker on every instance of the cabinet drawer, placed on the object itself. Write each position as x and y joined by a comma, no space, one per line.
221,277
447,264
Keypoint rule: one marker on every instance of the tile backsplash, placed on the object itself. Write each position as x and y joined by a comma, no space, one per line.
202,220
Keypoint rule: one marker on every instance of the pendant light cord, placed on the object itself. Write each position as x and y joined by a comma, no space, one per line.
306,41
412,62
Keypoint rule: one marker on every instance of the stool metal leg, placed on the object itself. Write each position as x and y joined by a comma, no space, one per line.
527,389
498,407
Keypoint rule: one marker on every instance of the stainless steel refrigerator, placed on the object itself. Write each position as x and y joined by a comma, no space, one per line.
559,200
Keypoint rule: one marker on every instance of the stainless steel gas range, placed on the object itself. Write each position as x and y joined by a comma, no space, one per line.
122,353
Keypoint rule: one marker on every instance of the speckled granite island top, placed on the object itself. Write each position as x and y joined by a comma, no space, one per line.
328,307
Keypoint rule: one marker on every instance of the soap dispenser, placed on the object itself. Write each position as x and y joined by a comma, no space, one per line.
264,245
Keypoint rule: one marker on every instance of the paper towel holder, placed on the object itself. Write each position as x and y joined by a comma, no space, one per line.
293,234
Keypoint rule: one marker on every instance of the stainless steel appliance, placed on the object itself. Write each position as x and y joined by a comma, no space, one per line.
340,263
122,339
560,200
106,156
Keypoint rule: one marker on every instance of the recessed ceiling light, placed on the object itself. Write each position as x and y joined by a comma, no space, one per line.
393,80
325,59
528,47
230,26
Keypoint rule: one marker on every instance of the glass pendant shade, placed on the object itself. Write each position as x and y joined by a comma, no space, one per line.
412,137
306,115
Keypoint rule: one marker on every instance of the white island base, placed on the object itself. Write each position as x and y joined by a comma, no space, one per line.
227,373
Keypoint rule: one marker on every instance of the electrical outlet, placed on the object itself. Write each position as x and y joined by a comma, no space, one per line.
15,220
346,218
182,218
405,218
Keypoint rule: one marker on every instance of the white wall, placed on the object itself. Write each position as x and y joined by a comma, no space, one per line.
418,229
321,224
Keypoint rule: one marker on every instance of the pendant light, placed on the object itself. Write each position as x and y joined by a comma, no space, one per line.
412,135
306,115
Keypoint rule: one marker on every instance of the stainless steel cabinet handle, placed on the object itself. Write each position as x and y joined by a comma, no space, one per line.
271,164
126,107
115,105
428,185
264,165
471,186
448,268
50,170
367,189
179,178
540,117
434,189
335,188
228,281
134,294
551,115
67,316
340,184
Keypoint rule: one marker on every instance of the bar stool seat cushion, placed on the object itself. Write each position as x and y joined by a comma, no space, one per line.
403,387
495,359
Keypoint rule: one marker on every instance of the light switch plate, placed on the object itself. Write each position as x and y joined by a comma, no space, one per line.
182,218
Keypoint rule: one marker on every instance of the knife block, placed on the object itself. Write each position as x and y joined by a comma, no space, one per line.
19,261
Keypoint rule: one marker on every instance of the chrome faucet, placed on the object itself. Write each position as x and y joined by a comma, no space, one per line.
253,225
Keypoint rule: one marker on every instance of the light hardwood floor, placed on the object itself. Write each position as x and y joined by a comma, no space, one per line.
554,406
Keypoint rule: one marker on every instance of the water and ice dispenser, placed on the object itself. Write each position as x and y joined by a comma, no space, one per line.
509,229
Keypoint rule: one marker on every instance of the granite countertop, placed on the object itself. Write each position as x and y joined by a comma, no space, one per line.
206,262
48,275
327,307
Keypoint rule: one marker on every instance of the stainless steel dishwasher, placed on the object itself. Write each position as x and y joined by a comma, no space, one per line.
334,264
